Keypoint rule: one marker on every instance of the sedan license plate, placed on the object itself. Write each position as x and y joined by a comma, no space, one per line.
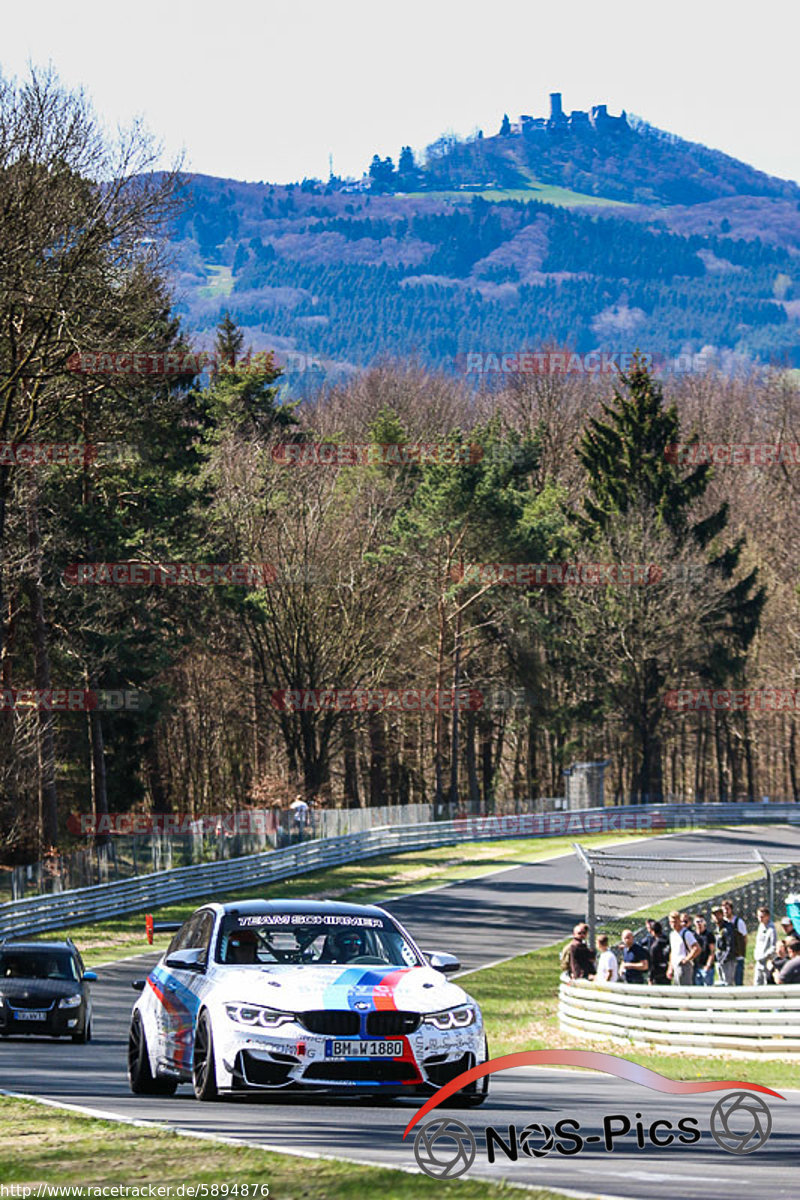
30,1015
364,1049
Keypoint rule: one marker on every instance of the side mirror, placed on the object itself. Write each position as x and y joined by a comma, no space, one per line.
446,963
138,985
89,976
187,960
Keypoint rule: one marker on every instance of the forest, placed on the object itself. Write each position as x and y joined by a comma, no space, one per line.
367,575
353,280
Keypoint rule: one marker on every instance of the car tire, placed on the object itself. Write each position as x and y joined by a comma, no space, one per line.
204,1075
140,1077
85,1035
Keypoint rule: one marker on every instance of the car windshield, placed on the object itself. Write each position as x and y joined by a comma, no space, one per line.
37,964
310,939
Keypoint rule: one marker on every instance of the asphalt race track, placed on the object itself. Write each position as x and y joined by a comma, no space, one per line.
482,920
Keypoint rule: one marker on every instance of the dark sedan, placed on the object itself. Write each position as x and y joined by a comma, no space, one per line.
43,990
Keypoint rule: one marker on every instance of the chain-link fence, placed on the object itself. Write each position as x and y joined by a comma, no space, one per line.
624,890
180,842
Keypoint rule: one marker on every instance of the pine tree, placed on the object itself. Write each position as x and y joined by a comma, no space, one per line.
505,128
639,497
229,340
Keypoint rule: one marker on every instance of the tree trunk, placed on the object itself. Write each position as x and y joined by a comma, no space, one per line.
97,768
351,797
722,787
42,681
5,476
438,721
377,759
793,761
454,733
749,759
532,763
472,772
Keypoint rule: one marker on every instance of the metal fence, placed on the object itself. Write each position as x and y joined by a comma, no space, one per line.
741,1022
94,903
60,909
771,890
622,889
250,831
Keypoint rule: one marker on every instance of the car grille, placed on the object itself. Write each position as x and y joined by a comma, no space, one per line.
361,1072
392,1024
336,1024
38,1003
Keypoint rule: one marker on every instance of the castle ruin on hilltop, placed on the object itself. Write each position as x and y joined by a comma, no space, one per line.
578,120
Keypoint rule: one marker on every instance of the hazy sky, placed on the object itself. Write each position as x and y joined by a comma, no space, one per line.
262,89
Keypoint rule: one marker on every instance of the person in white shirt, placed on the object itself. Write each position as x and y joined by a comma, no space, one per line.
766,945
683,950
607,966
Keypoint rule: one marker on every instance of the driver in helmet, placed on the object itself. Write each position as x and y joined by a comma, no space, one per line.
345,944
242,948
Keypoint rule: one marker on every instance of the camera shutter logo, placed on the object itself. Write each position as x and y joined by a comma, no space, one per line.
740,1122
536,1140
445,1149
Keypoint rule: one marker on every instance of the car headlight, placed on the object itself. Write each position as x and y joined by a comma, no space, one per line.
452,1018
257,1014
70,1001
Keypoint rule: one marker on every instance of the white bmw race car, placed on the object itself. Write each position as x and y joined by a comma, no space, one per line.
282,994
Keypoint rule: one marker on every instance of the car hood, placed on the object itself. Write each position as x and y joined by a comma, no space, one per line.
361,989
38,989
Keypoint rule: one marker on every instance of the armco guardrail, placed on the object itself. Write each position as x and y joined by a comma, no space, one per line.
59,909
742,1022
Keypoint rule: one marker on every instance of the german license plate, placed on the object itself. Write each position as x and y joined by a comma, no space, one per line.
31,1015
364,1049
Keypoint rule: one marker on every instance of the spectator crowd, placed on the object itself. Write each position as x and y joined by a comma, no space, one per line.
689,952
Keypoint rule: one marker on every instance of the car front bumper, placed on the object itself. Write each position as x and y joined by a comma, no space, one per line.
55,1021
291,1057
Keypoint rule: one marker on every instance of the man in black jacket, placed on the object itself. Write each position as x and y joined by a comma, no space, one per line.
725,956
658,951
581,956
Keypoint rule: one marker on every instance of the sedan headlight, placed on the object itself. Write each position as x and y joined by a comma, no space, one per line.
256,1014
70,1001
452,1018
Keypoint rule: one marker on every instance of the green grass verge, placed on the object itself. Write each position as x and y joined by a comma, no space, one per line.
365,882
48,1146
